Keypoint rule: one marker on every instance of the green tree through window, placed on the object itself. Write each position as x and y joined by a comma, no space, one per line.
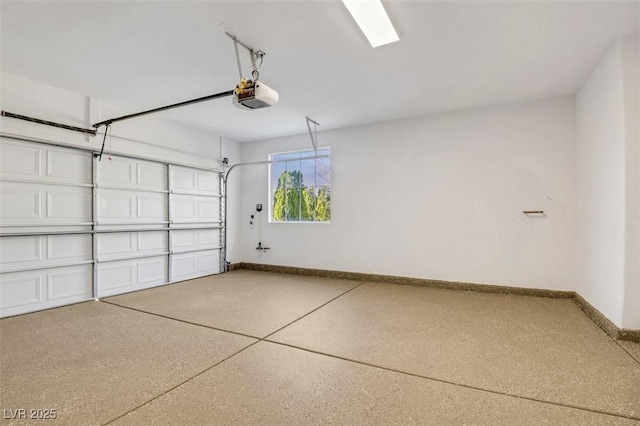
300,188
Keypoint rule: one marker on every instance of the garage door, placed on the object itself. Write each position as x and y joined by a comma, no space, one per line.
73,228
195,211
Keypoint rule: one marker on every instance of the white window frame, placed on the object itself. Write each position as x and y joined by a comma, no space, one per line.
270,198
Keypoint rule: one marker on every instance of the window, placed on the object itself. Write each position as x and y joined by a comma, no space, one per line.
300,188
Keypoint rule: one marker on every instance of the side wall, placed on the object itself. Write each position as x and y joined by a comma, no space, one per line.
630,49
607,185
600,185
437,197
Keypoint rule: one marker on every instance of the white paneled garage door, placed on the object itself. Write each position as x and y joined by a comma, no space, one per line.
195,217
73,228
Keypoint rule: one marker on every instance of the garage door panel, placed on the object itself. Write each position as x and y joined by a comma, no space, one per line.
153,242
17,290
151,175
117,172
183,180
120,206
209,261
183,207
209,183
195,264
20,160
69,204
184,239
68,247
70,283
194,209
132,174
152,272
20,201
195,239
18,250
115,204
116,275
36,162
193,181
38,205
29,291
126,245
130,275
122,244
152,207
184,266
68,166
209,208
208,237
29,252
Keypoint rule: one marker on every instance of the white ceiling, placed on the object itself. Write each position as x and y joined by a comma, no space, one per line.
451,55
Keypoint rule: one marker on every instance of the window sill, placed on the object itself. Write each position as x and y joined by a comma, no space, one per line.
299,222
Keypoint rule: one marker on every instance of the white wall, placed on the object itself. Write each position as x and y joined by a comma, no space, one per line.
231,150
607,185
148,136
437,197
630,48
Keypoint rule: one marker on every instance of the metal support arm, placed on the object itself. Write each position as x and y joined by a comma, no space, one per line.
151,111
92,132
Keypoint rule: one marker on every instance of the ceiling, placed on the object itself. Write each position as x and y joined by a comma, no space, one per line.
451,55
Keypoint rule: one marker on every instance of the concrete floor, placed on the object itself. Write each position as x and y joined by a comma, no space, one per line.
259,348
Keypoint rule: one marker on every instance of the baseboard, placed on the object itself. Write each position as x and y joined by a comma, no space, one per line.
605,323
236,266
629,335
423,282
596,316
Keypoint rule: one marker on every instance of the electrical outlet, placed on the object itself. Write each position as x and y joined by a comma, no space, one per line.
259,207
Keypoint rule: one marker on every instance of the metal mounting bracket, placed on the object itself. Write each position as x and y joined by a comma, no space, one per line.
313,134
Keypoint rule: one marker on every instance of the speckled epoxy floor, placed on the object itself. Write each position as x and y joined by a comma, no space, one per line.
260,348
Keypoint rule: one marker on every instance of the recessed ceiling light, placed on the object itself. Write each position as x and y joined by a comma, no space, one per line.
373,21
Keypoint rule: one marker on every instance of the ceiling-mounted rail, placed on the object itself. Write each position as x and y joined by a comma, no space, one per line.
92,132
163,108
